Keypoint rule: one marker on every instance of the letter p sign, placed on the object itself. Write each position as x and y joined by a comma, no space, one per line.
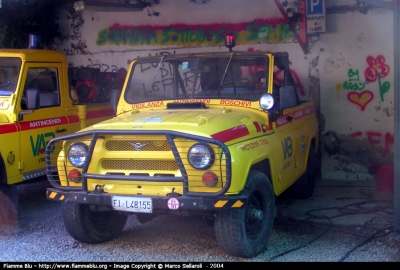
315,7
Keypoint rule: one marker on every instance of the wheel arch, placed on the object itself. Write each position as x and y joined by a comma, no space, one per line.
264,167
317,148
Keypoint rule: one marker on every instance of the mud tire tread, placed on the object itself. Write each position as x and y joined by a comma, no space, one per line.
230,225
91,227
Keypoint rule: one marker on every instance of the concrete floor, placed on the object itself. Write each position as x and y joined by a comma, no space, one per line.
343,203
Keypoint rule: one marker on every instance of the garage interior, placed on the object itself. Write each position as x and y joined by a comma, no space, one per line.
324,69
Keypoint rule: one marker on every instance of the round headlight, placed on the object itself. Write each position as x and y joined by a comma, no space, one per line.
77,154
201,156
267,102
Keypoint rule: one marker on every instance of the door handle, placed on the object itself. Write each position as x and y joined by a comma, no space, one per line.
61,130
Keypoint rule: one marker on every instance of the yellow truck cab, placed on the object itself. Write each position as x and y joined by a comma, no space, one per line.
211,134
35,107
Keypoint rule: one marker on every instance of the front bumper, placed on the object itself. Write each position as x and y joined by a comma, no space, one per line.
159,203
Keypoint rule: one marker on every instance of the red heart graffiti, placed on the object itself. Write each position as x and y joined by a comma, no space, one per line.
360,99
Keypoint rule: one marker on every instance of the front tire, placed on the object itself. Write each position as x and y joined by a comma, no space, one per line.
92,227
245,232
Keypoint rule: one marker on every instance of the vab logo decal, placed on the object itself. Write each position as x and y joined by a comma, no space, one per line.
303,143
11,158
41,142
287,147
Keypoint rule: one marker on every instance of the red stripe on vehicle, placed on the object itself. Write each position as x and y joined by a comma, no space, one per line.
231,134
41,123
100,113
282,120
258,127
303,112
9,128
73,119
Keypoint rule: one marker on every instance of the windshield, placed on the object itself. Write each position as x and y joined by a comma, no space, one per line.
228,77
9,73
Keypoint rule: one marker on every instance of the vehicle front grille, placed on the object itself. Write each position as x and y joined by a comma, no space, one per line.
139,165
134,145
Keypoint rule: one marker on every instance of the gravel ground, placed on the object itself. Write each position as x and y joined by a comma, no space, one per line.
41,237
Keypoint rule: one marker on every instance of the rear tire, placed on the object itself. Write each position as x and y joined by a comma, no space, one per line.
8,205
92,227
245,232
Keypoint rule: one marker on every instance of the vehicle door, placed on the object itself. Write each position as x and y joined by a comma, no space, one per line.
45,123
286,127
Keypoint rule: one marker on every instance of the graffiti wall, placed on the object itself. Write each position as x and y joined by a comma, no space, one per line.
114,39
357,94
348,70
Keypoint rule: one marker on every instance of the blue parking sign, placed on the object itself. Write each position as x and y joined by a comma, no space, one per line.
315,7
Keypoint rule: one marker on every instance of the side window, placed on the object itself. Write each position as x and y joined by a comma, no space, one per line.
45,80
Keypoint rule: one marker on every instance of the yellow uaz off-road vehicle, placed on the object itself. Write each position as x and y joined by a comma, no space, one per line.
213,134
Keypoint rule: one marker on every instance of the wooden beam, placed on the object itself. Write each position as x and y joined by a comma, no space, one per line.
302,36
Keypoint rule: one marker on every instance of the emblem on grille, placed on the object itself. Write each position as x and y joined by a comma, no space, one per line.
138,146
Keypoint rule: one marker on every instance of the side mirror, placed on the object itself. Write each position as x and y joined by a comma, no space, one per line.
114,98
32,99
287,97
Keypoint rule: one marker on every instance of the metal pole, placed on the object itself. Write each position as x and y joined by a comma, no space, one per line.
396,37
395,6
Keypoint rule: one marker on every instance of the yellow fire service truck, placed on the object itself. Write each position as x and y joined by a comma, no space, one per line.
35,107
212,134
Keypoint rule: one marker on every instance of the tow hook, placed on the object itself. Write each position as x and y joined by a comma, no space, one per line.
99,188
174,194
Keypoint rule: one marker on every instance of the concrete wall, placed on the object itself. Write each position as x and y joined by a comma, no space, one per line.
348,70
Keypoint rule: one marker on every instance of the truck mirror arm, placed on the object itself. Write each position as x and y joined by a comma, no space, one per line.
21,114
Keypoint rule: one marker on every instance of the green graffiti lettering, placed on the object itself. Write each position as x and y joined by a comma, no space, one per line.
102,37
128,38
184,35
200,36
193,36
263,33
254,33
113,35
286,33
148,36
220,36
166,37
383,87
136,34
353,75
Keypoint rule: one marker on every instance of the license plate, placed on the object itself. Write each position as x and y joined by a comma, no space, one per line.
129,204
